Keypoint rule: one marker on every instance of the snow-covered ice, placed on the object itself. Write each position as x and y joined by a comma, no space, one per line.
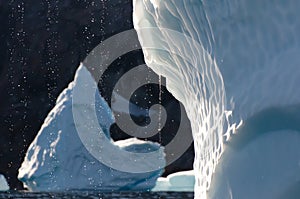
180,181
57,160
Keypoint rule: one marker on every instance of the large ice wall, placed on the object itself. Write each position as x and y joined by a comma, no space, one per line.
58,161
173,48
240,56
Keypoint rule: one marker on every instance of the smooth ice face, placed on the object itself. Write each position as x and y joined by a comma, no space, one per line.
247,48
57,160
267,167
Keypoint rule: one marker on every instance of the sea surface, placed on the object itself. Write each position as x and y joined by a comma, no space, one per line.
98,195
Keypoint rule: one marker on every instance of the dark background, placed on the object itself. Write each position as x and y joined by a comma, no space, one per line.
41,46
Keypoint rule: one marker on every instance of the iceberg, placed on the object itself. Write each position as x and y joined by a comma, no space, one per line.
3,184
183,181
57,159
235,61
173,51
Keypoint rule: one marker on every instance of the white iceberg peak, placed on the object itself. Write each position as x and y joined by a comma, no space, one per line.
57,160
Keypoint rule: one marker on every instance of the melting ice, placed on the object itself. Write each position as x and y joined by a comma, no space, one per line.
250,49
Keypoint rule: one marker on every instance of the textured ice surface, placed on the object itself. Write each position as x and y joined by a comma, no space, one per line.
57,160
257,48
3,184
254,45
178,182
191,73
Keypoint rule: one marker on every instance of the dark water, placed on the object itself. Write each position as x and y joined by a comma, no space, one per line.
98,195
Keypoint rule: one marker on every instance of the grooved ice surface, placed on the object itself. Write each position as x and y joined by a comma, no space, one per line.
250,50
58,161
191,73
